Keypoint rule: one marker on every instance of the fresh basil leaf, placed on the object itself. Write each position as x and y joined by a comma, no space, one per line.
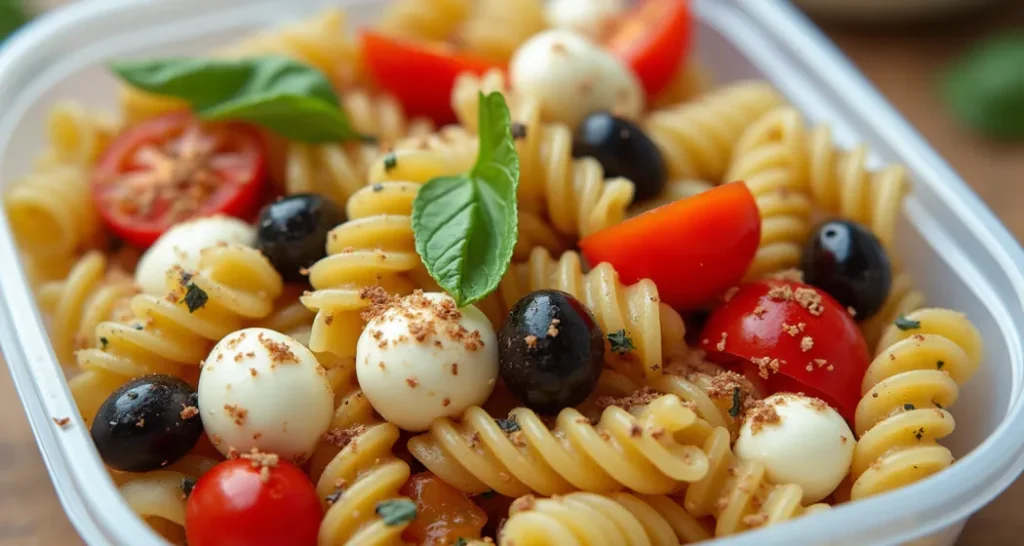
12,16
985,89
466,226
396,511
279,93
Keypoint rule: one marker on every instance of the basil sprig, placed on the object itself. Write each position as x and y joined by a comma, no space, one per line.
281,94
466,226
985,89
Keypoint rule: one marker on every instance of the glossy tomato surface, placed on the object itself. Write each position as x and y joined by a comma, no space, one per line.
175,167
654,39
238,503
443,514
790,337
419,74
693,249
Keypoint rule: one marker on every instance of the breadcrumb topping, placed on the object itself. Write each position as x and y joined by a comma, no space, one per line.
640,397
188,412
262,461
341,437
280,353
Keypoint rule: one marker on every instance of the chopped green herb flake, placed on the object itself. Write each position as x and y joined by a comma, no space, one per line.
138,326
103,343
195,298
333,497
908,407
378,187
396,511
621,342
390,162
461,542
487,494
737,404
186,486
939,365
938,405
903,323
919,433
507,425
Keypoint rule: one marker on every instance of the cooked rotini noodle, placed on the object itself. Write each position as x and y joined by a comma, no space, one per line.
656,329
736,492
76,136
365,473
51,212
769,159
289,316
164,334
433,20
690,81
696,138
590,519
903,298
159,496
78,303
623,450
902,414
351,409
694,389
674,191
322,41
496,28
573,193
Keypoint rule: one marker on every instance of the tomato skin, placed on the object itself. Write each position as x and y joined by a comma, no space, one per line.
751,323
693,249
653,39
241,189
419,75
231,506
443,514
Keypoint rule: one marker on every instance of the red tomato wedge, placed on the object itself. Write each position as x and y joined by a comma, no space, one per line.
173,168
693,249
443,513
419,74
239,504
653,39
790,337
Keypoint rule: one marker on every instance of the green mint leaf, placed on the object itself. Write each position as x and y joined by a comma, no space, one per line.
621,342
281,94
507,425
985,88
737,404
466,226
195,298
903,323
396,511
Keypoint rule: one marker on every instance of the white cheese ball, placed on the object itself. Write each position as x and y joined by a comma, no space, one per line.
260,388
182,244
422,358
592,18
809,445
571,77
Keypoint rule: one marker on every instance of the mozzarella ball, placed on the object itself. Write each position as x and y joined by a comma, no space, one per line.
591,18
800,440
182,244
571,77
262,389
421,358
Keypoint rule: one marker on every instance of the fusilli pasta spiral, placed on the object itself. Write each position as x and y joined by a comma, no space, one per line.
164,333
636,450
496,28
365,473
572,192
159,496
902,299
58,198
432,20
78,303
736,491
589,519
696,138
915,376
656,329
77,136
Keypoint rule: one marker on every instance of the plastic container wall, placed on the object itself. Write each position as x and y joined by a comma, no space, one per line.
952,245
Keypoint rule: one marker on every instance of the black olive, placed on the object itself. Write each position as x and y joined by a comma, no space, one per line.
147,424
849,263
623,149
292,232
550,350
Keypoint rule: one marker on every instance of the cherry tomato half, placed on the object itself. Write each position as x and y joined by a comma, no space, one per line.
175,167
790,337
443,514
693,249
419,74
653,39
239,504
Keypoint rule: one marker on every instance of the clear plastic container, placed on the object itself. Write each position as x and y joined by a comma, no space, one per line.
952,244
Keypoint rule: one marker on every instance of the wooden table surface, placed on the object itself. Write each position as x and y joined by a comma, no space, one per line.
902,62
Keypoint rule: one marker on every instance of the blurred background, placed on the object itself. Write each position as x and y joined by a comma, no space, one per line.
953,68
